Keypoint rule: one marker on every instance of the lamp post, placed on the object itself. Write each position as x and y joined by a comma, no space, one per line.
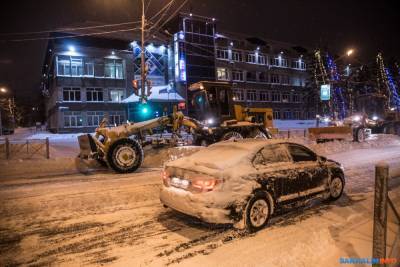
3,90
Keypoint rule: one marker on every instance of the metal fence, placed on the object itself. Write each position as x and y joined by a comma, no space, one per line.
24,148
383,204
291,133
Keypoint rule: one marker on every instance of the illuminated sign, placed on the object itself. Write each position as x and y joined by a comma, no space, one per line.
325,92
179,58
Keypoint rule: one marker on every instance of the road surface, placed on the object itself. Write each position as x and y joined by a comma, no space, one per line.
104,218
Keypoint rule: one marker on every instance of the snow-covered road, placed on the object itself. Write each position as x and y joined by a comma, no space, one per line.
104,218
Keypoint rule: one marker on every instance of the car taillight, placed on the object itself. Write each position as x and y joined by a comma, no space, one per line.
204,185
165,177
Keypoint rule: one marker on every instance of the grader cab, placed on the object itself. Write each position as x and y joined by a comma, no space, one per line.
213,104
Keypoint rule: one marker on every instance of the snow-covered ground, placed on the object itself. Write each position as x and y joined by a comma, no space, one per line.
107,218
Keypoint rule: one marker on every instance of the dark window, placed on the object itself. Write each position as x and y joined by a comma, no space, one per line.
271,154
300,153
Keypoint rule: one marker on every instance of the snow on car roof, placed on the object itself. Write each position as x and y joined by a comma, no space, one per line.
223,155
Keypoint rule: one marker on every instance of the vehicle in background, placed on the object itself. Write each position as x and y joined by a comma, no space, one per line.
243,182
353,128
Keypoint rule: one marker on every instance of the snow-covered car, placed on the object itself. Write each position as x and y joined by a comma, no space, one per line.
243,182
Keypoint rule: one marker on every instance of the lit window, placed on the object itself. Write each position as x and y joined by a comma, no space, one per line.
116,95
113,69
222,74
76,66
94,94
71,94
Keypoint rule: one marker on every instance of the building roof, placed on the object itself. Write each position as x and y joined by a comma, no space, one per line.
159,93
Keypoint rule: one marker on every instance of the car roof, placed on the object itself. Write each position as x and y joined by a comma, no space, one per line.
251,144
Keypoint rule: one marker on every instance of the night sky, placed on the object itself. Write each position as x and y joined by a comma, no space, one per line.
367,26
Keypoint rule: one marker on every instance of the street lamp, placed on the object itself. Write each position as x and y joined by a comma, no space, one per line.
2,90
349,52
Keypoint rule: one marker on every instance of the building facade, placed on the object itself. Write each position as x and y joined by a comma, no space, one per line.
264,73
84,80
88,78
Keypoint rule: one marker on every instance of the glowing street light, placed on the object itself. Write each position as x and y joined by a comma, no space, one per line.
3,90
349,52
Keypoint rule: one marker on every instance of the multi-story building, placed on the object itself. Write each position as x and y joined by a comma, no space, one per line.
87,78
264,73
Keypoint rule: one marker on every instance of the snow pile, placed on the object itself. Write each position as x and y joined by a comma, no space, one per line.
374,141
302,253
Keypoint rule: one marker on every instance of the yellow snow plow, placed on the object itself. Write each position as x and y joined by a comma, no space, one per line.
331,133
121,147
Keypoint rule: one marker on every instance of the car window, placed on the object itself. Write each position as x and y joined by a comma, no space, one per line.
271,154
300,153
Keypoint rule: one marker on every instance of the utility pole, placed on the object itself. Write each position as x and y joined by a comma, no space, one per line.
142,61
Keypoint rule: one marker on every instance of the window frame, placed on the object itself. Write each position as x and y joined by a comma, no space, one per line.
72,90
283,148
315,155
95,91
122,96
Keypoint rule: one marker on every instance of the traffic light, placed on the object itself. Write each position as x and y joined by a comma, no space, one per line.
144,109
135,87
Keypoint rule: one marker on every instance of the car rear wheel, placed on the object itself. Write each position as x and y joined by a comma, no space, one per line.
258,211
336,188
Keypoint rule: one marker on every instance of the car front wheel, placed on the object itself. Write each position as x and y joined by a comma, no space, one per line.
336,187
257,212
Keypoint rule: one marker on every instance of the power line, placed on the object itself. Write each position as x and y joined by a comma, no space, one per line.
71,29
166,7
172,15
161,10
148,5
71,36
